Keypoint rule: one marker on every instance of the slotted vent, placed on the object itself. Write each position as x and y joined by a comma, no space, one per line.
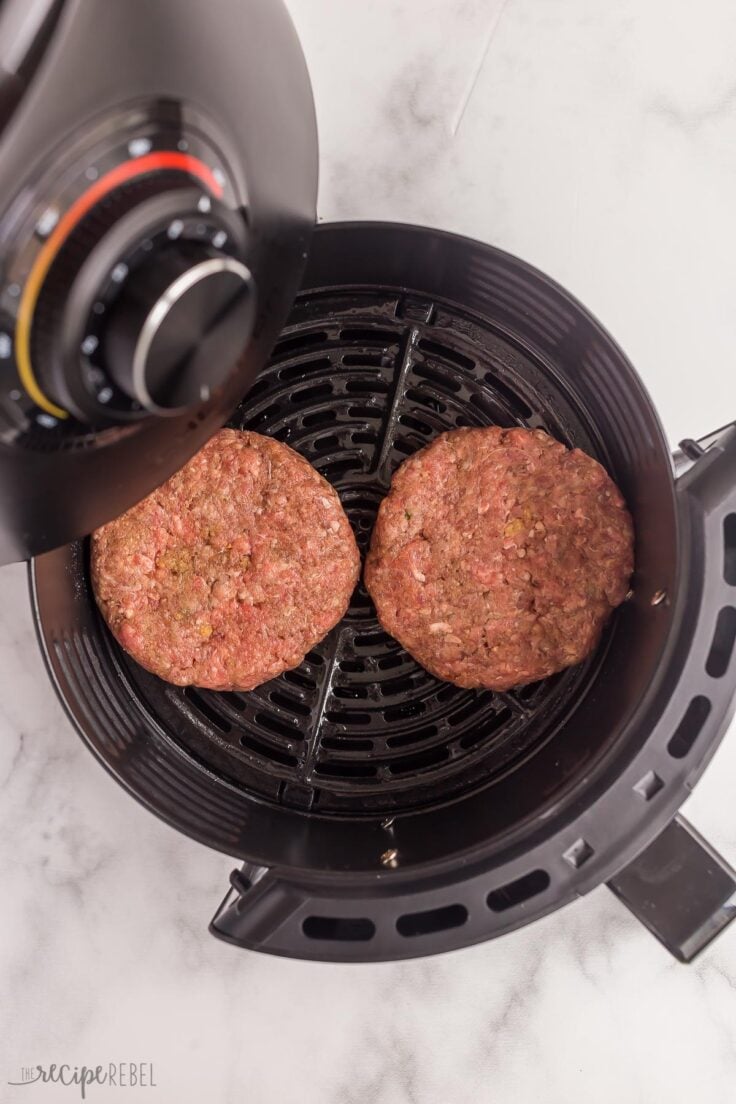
356,386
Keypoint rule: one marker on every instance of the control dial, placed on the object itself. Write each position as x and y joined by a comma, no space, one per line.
146,306
169,337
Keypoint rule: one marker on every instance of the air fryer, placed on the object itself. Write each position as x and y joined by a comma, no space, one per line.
377,811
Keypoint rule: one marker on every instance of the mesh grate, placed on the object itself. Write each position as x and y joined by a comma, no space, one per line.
359,382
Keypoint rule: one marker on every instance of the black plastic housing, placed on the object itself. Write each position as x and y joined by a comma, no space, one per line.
377,817
223,80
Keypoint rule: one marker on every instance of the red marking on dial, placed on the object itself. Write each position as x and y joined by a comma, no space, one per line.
121,174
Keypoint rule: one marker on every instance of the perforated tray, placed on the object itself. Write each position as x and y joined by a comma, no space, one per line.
359,382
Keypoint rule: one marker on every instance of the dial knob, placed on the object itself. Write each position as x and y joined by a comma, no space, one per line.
147,307
176,327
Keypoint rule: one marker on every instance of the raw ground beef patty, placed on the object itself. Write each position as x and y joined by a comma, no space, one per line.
232,570
497,556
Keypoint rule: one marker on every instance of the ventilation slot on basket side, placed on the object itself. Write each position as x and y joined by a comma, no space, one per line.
348,717
351,693
301,371
724,639
299,678
513,398
433,920
298,344
729,549
414,423
268,752
689,727
318,419
369,336
467,710
418,762
362,360
346,743
406,739
369,386
203,706
515,893
450,356
440,378
430,401
475,736
311,394
288,701
279,727
404,712
345,769
358,929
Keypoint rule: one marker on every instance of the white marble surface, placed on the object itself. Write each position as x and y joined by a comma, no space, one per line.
598,141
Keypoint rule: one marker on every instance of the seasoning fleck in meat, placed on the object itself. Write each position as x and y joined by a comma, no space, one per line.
498,556
230,572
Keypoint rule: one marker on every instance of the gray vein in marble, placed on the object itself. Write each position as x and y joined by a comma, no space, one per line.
476,71
691,119
15,760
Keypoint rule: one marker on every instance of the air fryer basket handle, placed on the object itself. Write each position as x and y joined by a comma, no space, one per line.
679,887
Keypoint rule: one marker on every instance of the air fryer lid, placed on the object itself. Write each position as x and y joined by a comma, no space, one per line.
382,813
159,174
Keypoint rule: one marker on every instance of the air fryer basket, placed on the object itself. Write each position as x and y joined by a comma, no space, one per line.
380,812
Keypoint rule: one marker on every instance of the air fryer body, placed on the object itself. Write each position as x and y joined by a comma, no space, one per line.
380,812
203,104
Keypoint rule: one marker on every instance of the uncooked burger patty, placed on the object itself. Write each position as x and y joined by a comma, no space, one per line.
232,570
498,555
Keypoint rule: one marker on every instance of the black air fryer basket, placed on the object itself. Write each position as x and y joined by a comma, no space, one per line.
381,813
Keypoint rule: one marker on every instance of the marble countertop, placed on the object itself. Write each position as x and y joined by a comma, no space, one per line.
597,141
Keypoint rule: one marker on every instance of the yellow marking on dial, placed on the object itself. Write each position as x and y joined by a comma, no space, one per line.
121,174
